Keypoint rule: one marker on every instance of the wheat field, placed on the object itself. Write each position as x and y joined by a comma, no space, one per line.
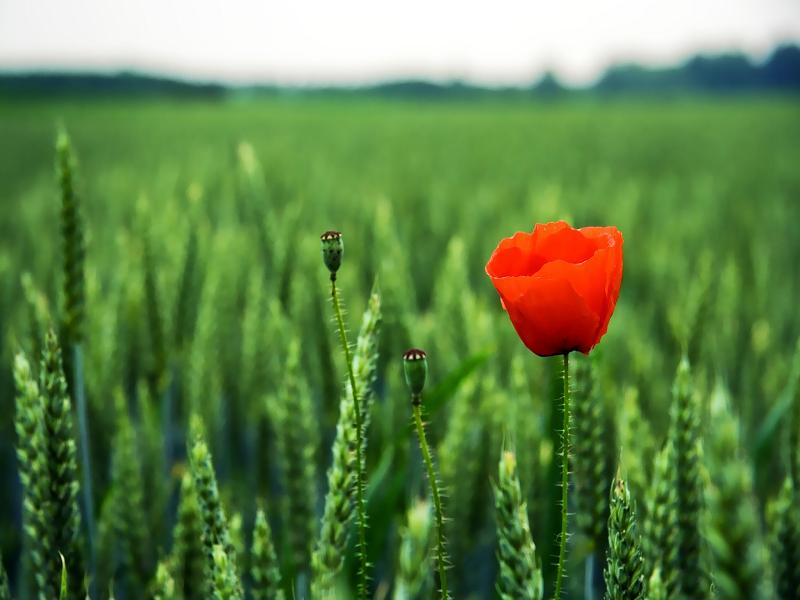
176,413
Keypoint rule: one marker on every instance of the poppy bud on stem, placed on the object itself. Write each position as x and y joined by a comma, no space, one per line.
415,368
332,249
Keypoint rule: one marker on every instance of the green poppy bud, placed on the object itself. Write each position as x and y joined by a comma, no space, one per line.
415,366
332,248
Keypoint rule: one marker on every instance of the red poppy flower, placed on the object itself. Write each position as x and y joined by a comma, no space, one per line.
559,285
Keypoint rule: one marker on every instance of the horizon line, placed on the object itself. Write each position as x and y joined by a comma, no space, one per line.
184,76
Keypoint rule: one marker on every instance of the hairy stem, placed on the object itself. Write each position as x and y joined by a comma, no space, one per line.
437,501
360,505
562,549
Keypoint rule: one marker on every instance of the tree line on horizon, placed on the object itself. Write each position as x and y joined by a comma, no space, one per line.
727,73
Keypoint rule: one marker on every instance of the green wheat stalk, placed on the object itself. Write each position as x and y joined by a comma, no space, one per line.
155,327
225,584
450,300
73,319
655,587
459,456
397,285
520,576
784,518
216,533
127,489
202,385
236,526
27,420
163,586
72,231
48,469
186,300
64,515
254,369
297,440
413,556
152,437
592,465
659,527
687,481
264,569
625,567
38,313
636,444
331,545
592,468
739,555
188,555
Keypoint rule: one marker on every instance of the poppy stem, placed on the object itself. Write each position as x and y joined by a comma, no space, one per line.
360,504
437,501
562,551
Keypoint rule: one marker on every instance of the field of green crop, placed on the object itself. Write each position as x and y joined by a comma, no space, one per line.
185,285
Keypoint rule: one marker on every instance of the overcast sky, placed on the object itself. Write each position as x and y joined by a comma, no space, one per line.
299,41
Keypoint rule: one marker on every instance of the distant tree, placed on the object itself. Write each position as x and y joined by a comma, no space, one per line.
724,73
548,86
782,69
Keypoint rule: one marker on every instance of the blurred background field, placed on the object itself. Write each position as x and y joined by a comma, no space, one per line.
202,263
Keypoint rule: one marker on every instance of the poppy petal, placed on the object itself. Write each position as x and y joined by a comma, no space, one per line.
587,279
562,243
551,318
611,238
512,256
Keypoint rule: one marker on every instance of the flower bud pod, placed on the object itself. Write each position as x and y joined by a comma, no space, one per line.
415,367
332,248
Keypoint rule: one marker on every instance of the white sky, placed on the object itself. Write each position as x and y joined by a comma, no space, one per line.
350,41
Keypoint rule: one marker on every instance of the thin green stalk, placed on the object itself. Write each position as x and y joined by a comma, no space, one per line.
437,501
360,507
588,577
86,463
562,550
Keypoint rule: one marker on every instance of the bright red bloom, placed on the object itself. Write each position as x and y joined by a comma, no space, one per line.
559,285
